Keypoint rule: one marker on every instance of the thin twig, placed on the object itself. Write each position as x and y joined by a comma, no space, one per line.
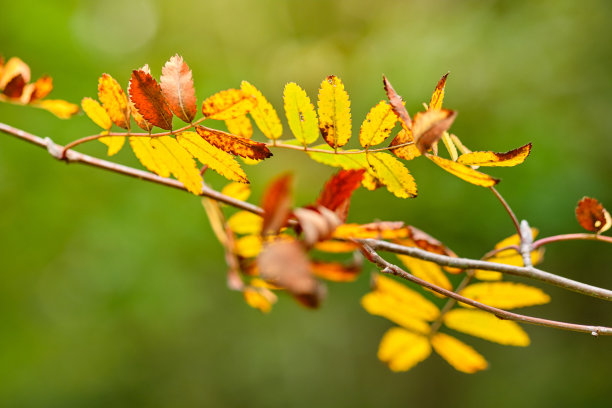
389,268
465,263
508,209
571,237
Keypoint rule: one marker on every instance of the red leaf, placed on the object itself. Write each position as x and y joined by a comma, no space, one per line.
14,87
177,86
336,194
147,97
592,216
276,203
397,104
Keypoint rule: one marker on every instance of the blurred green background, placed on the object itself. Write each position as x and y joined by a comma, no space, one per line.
112,291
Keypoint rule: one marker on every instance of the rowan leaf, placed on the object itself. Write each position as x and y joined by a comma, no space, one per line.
249,246
350,161
179,162
139,119
377,125
491,159
14,88
176,84
96,113
218,160
392,173
146,95
335,271
486,326
244,222
458,354
334,112
427,271
406,151
13,68
370,182
152,159
114,101
240,126
373,230
228,104
390,308
276,204
263,113
401,350
505,295
236,145
592,216
428,127
239,191
338,189
58,107
397,104
334,246
464,172
259,298
300,114
438,95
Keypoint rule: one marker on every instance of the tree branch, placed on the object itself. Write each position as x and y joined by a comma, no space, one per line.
389,268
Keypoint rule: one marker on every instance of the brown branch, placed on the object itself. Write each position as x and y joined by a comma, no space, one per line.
571,237
72,156
508,210
466,263
389,268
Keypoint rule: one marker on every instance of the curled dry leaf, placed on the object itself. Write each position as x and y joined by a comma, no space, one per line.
284,263
428,127
177,86
317,224
592,216
276,203
236,145
397,104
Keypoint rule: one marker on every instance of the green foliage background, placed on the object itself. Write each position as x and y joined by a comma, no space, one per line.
112,291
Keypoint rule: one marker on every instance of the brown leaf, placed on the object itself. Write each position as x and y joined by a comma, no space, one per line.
285,263
146,95
428,127
14,87
276,203
317,224
336,194
235,145
177,86
397,104
592,216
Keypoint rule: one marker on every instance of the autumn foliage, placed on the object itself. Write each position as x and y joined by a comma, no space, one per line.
281,247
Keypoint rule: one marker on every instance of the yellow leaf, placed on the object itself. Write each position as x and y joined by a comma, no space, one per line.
58,107
513,240
334,112
407,301
488,275
487,326
402,350
377,125
217,221
428,271
179,162
96,113
228,104
458,354
407,152
248,246
450,146
370,182
381,230
459,144
259,298
244,222
263,114
300,114
335,246
148,156
218,160
240,125
239,191
114,143
114,101
464,172
491,159
390,308
392,173
505,295
438,95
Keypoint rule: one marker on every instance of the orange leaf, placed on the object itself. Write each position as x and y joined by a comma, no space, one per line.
397,104
464,172
140,121
438,95
228,104
375,230
428,127
338,190
276,203
407,152
146,94
42,87
235,145
491,159
114,101
335,271
177,87
11,69
592,216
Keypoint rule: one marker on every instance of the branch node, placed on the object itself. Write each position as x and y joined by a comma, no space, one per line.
526,243
595,333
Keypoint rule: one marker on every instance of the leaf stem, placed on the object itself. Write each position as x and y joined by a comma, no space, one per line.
571,237
508,210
